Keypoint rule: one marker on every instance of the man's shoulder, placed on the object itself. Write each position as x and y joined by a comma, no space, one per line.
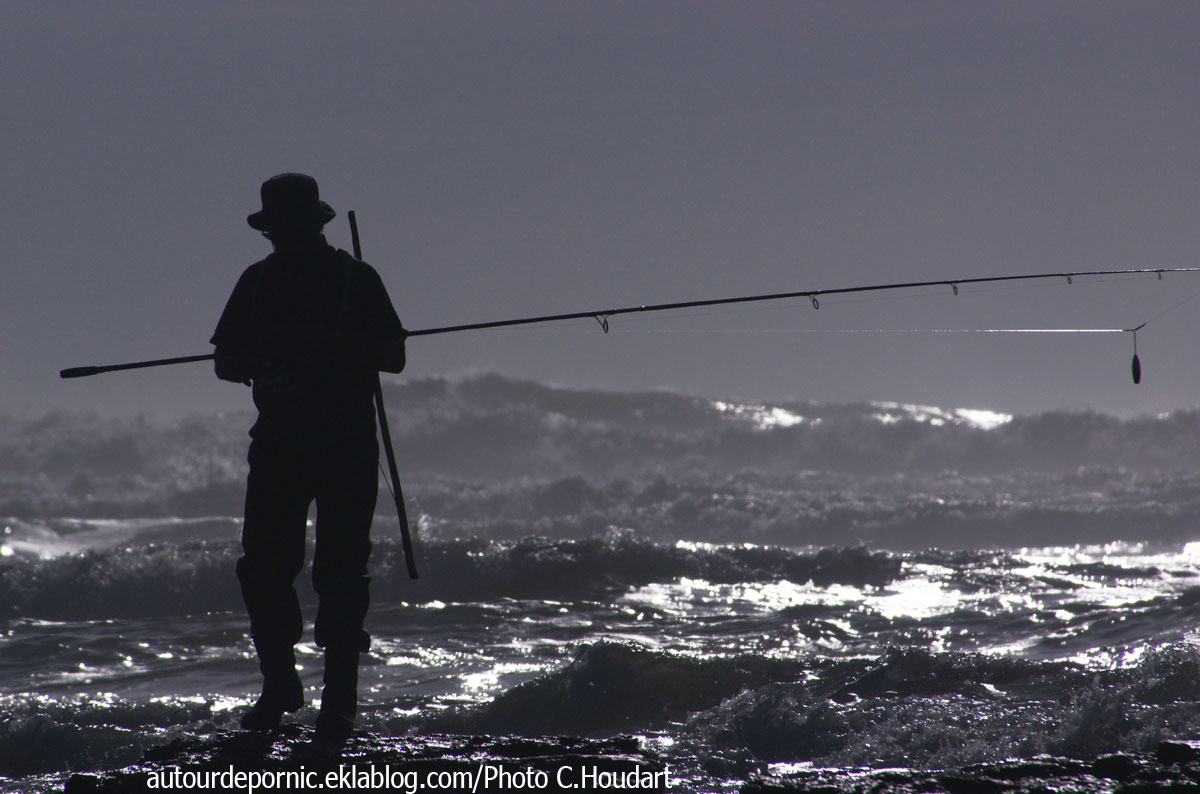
349,260
252,271
359,270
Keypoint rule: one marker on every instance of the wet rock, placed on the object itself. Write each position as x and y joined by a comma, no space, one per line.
1174,769
1117,766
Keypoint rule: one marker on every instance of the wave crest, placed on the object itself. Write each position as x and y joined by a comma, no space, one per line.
198,576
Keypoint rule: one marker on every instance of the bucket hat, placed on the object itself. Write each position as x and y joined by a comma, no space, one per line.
290,200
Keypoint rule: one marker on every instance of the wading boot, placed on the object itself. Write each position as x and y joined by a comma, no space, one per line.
282,692
339,698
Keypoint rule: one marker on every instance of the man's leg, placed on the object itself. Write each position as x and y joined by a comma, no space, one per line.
345,508
277,502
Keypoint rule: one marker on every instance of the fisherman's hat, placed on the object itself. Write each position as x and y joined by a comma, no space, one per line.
290,200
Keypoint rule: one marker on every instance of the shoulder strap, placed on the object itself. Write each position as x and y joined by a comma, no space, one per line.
348,264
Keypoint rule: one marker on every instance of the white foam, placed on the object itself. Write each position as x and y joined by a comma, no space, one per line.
892,412
763,417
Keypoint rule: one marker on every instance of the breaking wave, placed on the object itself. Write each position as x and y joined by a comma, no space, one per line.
920,709
40,734
910,708
197,577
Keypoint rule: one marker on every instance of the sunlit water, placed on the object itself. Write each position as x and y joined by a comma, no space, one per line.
91,692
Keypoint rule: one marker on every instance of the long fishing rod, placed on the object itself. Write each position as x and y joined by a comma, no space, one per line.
602,315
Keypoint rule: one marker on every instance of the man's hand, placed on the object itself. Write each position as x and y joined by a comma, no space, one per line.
234,367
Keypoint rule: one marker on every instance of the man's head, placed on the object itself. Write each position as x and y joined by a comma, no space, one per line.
291,207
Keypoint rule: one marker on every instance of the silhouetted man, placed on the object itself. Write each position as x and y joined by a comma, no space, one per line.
309,327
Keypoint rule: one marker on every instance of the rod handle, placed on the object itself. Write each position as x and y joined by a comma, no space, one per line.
80,372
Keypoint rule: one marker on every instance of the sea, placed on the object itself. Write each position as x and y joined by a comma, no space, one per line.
745,588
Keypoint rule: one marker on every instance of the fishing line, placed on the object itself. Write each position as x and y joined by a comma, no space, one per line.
385,480
724,331
1172,308
876,331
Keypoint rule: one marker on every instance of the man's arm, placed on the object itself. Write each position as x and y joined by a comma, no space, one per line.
388,355
234,359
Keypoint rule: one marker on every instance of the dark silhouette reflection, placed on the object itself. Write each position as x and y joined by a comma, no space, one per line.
308,327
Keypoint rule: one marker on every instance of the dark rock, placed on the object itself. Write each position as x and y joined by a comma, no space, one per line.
1117,766
1041,775
83,784
1043,766
1177,753
970,784
1161,787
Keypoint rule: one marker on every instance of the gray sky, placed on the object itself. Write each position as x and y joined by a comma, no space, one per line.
521,158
